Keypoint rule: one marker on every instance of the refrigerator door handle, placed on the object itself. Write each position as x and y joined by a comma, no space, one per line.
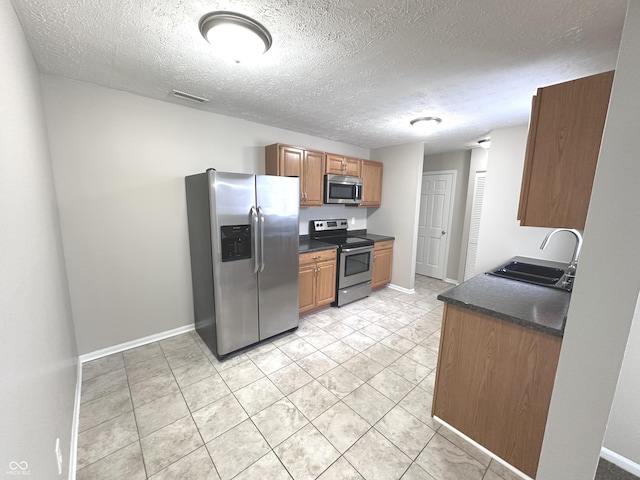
261,221
254,222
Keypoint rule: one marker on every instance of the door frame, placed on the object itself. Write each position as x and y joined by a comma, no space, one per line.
454,174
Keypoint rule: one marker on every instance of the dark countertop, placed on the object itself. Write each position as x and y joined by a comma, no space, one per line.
375,238
308,245
532,306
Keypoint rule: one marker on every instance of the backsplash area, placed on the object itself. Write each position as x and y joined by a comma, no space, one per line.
356,216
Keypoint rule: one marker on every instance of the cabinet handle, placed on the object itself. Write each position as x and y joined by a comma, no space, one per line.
316,257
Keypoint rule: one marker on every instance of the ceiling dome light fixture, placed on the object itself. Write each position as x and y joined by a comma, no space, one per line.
485,143
235,36
426,124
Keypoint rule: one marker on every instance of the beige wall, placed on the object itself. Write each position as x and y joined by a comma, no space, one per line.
458,161
398,215
38,358
119,162
602,306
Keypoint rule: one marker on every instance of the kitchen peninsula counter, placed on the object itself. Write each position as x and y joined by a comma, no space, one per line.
499,347
531,306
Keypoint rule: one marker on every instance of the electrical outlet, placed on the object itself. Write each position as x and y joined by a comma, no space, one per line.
353,220
59,456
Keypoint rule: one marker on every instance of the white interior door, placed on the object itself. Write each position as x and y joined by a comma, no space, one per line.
433,224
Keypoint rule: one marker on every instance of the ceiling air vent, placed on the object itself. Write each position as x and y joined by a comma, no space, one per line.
188,96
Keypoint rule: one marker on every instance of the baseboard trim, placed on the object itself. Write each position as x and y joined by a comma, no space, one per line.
508,466
87,357
73,453
410,291
622,462
450,280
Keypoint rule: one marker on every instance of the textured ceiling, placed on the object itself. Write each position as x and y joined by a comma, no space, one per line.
352,71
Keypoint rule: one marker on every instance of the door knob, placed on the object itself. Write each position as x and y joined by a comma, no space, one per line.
444,232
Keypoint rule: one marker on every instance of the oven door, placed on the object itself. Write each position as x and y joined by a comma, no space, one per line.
356,266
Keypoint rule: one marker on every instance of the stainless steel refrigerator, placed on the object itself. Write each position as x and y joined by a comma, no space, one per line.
243,240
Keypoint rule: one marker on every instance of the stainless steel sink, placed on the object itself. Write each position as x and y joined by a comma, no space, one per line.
548,275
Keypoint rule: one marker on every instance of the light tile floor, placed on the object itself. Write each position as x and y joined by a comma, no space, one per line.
347,396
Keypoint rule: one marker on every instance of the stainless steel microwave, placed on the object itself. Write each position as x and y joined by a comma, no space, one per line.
342,189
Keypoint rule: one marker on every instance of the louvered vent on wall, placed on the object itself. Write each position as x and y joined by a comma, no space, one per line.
188,96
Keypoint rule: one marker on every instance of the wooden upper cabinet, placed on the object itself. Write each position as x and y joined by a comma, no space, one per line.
291,161
567,121
371,173
313,178
340,165
308,165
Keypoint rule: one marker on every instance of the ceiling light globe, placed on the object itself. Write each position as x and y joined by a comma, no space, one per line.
235,42
485,143
234,36
425,125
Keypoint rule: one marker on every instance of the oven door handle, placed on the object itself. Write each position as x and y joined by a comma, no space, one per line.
355,249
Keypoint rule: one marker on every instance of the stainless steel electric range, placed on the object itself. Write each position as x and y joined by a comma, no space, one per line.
355,259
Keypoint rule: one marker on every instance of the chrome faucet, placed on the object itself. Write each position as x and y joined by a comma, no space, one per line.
570,272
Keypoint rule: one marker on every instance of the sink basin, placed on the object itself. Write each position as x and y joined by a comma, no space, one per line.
532,273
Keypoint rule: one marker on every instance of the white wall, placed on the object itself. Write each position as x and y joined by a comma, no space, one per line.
623,429
38,357
398,215
119,162
458,161
602,307
501,236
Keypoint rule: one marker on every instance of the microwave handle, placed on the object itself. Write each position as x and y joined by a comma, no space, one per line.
358,192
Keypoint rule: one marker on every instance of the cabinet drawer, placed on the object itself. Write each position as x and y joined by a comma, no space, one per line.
387,244
321,256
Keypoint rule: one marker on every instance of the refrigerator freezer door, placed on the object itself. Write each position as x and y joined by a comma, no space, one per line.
278,210
231,199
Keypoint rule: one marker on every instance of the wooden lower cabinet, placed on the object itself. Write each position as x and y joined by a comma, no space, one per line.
382,263
493,383
317,280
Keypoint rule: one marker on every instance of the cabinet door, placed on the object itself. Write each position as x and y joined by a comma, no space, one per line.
382,263
326,283
372,183
313,178
306,286
290,161
352,166
334,164
562,151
